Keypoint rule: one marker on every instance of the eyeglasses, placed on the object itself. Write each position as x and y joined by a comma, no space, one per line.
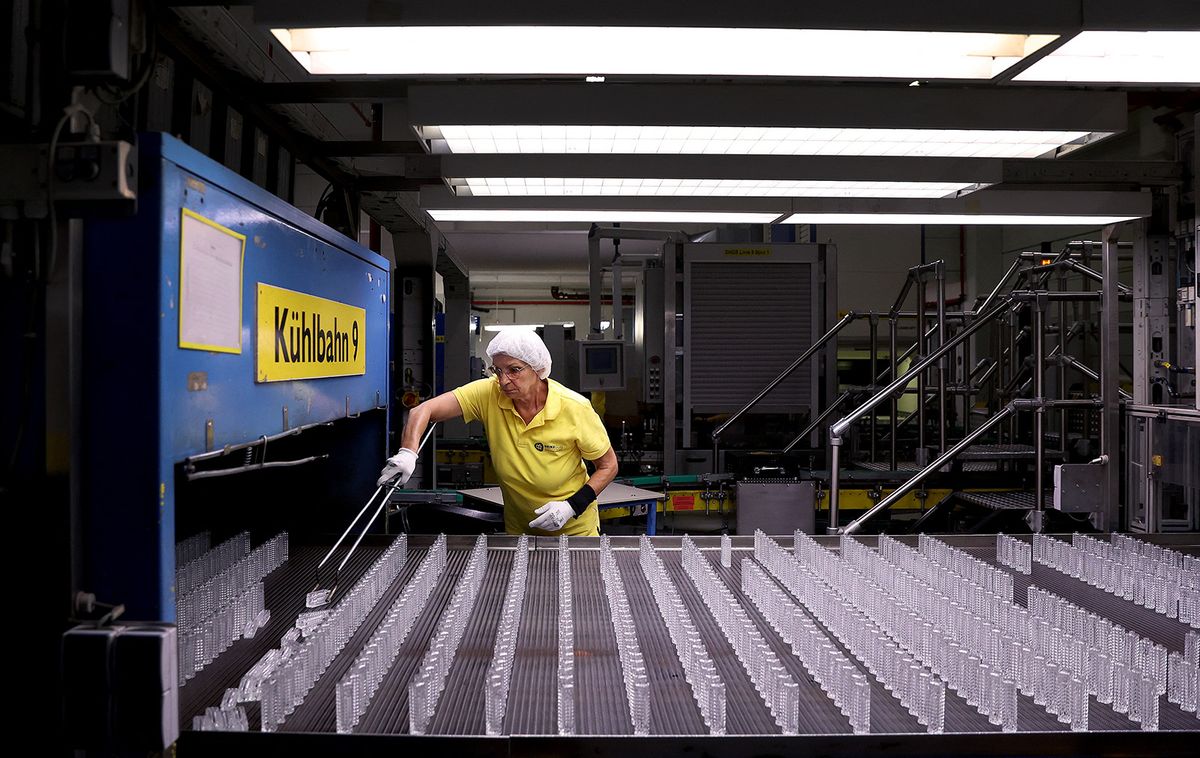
512,371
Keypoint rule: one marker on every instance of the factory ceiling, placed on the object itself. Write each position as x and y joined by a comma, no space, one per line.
532,119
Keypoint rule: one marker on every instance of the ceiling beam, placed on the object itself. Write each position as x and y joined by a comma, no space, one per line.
782,105
368,148
372,91
987,201
1015,16
767,167
1138,173
422,170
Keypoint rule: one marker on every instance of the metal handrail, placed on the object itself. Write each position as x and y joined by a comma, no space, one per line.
837,430
842,398
921,475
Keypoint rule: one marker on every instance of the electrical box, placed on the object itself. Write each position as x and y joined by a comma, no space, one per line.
601,365
120,687
1078,487
776,506
653,333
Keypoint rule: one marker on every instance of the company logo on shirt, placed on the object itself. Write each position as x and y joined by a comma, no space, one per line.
543,446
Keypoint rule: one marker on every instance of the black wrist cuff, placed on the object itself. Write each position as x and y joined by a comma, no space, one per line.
582,499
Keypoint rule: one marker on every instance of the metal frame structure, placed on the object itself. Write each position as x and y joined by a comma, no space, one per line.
1028,279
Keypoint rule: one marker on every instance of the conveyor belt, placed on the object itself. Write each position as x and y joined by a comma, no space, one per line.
601,707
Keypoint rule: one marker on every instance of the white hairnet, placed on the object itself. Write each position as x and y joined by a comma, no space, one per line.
524,345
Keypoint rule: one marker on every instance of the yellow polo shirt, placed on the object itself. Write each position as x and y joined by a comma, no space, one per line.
540,461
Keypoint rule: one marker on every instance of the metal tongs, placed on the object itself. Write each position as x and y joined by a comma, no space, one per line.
320,596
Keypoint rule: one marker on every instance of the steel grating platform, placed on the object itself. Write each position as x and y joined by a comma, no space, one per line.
1018,500
601,709
982,466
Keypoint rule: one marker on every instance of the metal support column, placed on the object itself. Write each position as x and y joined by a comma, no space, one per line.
413,361
922,351
457,345
940,273
1039,417
595,286
893,405
1061,370
672,251
874,331
834,487
1108,519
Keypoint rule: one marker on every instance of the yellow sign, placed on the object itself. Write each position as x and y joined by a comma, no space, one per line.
747,252
307,337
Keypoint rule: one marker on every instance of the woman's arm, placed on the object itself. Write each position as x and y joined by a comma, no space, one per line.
444,406
606,471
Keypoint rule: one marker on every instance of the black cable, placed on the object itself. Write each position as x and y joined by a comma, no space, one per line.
151,60
322,201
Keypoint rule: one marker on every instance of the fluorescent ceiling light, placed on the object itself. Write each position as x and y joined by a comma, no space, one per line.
950,218
602,216
1135,57
506,327
656,51
745,140
627,187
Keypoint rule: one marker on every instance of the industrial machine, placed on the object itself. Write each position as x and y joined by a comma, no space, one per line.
236,358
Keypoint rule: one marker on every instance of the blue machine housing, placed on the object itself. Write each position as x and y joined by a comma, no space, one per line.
142,415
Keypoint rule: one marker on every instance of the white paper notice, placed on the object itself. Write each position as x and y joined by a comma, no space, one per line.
210,285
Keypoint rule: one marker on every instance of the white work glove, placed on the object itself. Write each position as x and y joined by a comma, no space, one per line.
552,516
399,465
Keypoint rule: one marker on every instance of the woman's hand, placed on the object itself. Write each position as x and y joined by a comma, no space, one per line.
552,516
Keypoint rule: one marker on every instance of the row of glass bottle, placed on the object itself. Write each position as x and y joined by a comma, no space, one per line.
817,587
228,606
1049,664
1188,565
967,566
191,548
293,679
565,700
698,668
942,578
775,686
1183,675
952,658
426,687
357,688
200,568
1169,566
242,617
234,578
1014,553
499,673
1006,637
633,666
1098,632
1133,577
1129,672
834,673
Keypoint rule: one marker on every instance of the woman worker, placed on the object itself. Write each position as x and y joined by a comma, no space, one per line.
539,433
